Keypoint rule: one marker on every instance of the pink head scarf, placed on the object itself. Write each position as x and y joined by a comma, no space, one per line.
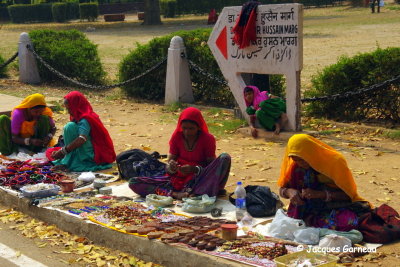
258,97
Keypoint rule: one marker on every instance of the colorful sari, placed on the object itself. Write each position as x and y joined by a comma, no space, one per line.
267,110
210,180
329,171
97,152
18,125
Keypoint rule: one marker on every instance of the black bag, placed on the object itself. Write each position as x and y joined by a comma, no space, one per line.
260,201
128,162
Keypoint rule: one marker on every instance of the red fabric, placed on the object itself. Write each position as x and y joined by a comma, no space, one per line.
243,35
382,225
212,17
80,108
51,150
205,147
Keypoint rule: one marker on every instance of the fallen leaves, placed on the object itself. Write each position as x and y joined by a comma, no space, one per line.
89,253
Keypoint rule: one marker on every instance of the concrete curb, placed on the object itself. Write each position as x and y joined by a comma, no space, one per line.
147,250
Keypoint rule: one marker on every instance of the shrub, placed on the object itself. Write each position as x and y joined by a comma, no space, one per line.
30,13
168,8
152,86
72,10
89,11
69,52
3,71
351,74
59,12
4,12
22,2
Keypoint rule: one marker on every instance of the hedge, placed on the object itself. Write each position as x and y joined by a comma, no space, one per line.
69,52
4,12
3,71
89,11
152,86
30,13
352,74
168,8
59,11
72,10
22,2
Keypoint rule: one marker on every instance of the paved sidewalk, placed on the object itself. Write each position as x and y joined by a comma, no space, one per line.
7,103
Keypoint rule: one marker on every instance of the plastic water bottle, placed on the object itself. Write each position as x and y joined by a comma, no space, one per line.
240,202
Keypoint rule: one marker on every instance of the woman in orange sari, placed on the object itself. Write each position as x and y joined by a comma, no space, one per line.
30,129
319,184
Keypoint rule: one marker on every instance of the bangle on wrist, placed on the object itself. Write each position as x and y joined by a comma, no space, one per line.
27,141
64,150
328,196
198,170
83,137
50,135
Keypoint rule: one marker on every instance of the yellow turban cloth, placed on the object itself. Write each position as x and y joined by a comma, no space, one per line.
322,158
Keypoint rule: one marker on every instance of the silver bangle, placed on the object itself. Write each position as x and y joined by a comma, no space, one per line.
83,137
50,135
198,170
328,196
64,151
27,141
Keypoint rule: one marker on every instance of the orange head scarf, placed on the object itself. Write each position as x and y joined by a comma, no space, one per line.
322,158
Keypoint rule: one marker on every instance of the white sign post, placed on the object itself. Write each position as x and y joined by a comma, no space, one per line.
277,50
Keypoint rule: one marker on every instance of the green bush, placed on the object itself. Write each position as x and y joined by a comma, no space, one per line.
69,52
351,74
89,11
3,71
22,2
59,12
4,12
168,8
72,10
30,13
152,86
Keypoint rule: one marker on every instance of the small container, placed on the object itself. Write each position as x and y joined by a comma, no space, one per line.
105,190
229,231
67,185
99,183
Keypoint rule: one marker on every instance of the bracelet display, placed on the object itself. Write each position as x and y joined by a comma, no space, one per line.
27,141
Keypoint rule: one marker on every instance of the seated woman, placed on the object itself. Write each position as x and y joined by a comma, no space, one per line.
319,184
88,146
31,128
269,110
192,168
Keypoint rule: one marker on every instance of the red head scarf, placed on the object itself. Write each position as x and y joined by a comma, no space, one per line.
258,96
80,108
192,114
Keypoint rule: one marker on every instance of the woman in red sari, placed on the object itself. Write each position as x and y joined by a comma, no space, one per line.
193,168
88,146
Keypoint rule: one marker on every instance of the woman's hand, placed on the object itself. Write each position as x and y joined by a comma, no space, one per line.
172,166
187,169
37,142
46,141
312,194
57,154
295,197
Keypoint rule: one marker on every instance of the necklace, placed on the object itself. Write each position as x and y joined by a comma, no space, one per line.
190,147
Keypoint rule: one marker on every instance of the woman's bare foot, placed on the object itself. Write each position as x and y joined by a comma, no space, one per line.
180,195
277,128
254,132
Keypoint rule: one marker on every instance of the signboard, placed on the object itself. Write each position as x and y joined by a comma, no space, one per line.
278,49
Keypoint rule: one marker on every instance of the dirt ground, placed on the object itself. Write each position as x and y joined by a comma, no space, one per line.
373,159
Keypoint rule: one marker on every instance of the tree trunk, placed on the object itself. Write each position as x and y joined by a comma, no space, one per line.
152,12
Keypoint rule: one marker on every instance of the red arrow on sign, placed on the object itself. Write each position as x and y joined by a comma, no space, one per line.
222,43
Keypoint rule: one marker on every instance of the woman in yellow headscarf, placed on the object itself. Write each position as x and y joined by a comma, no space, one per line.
319,184
31,127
